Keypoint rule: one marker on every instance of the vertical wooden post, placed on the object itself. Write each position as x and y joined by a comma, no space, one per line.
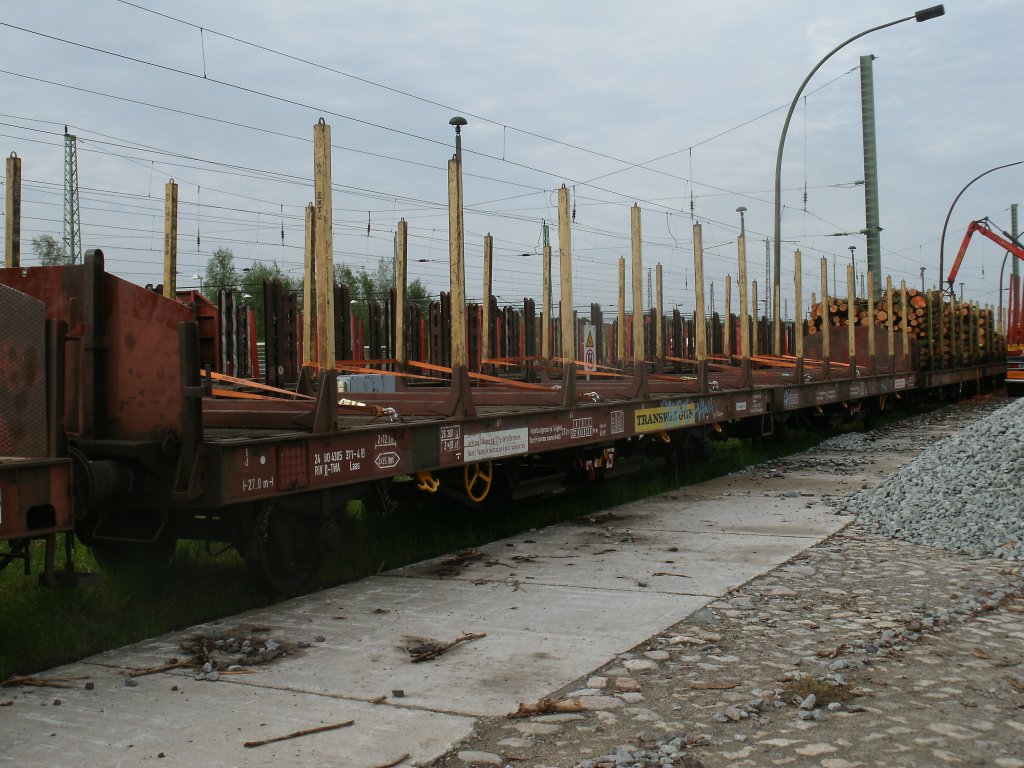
939,346
798,308
620,336
545,320
871,318
776,324
401,280
905,323
12,227
826,325
755,341
565,314
659,350
324,251
851,315
698,284
744,317
726,329
309,287
170,239
487,351
975,331
889,320
638,277
778,320
457,264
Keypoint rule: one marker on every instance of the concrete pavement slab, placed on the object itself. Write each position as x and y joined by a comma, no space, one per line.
206,724
538,637
554,604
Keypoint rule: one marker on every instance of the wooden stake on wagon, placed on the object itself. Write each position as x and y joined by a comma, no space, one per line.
545,318
12,222
741,248
637,282
826,330
726,331
905,324
309,295
698,284
755,346
487,351
888,320
798,300
170,239
658,340
401,278
565,280
871,320
620,327
851,293
324,253
456,263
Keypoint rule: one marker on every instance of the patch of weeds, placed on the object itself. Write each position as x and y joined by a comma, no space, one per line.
825,691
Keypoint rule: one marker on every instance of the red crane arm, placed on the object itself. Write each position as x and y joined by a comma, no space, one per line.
983,226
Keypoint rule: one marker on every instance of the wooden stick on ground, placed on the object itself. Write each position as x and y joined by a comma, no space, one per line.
425,654
394,762
163,667
545,706
42,682
463,557
296,734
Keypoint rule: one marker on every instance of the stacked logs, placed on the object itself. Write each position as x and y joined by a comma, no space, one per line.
950,333
837,313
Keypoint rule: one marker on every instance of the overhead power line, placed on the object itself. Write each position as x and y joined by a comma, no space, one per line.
285,100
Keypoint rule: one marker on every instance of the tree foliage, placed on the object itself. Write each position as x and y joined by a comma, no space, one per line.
252,285
50,251
365,287
221,274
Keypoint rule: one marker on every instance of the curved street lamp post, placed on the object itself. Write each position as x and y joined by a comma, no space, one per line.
922,15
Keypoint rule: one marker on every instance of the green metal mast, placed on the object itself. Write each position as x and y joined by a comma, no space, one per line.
872,230
72,219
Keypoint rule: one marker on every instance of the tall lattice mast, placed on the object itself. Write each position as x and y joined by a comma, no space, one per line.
72,219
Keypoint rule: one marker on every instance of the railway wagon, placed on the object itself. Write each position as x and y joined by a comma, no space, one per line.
113,430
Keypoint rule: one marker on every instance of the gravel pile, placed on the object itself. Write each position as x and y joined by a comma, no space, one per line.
964,493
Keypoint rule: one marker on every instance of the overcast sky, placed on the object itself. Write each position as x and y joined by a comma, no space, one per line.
675,106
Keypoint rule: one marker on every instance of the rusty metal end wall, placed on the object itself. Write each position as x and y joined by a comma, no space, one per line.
22,375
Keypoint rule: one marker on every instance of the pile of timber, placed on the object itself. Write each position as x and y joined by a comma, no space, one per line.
965,335
836,312
949,332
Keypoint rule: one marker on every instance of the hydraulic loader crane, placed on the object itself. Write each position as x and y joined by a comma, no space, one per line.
1015,352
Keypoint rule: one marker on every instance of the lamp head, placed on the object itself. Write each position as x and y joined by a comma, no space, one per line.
458,121
930,13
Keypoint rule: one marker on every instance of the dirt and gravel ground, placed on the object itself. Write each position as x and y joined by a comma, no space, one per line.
861,651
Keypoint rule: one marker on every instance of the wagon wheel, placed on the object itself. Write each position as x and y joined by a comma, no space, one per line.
285,553
477,480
